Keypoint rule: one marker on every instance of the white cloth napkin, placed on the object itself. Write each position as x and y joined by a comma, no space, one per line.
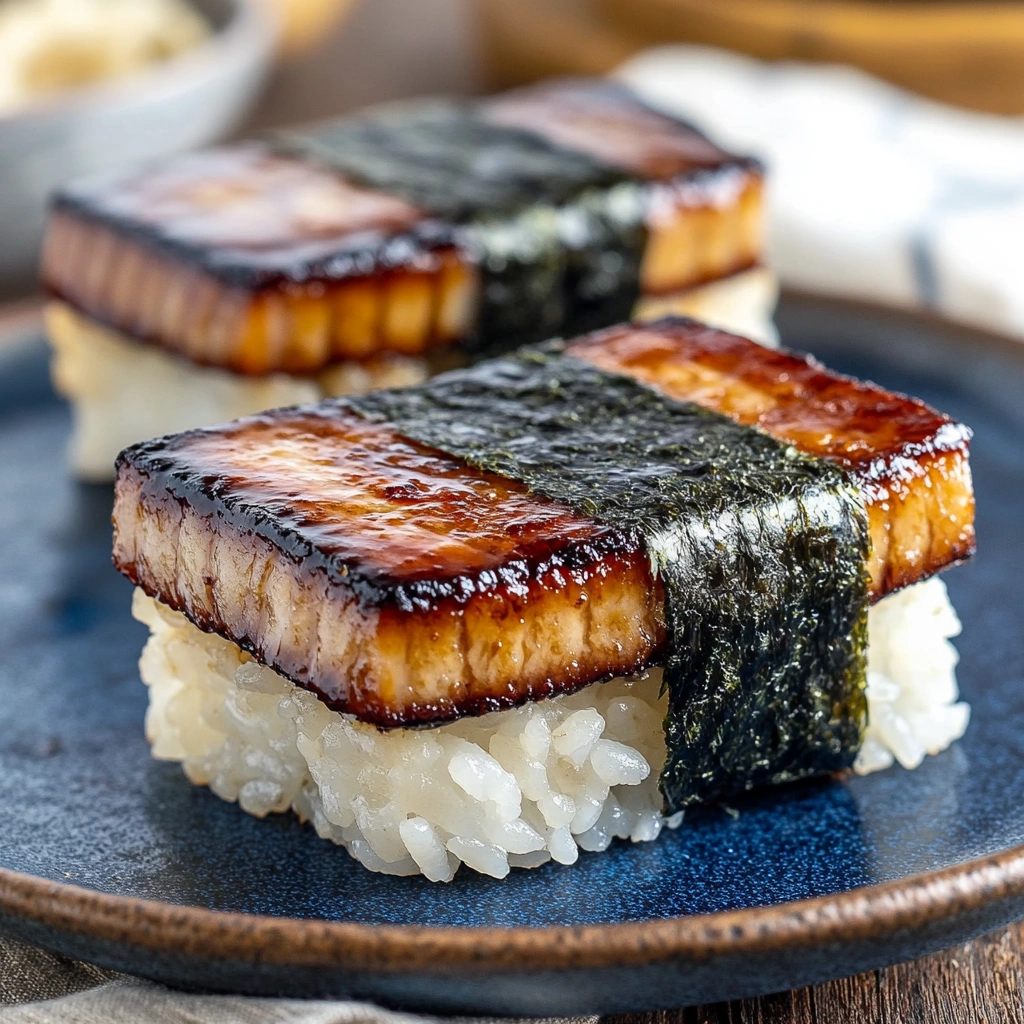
37,987
874,193
41,988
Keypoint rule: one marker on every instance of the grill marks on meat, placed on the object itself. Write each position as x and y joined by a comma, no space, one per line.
405,587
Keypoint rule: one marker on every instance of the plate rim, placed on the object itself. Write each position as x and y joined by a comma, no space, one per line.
861,914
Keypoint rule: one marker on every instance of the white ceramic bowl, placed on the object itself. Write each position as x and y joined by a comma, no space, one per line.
191,99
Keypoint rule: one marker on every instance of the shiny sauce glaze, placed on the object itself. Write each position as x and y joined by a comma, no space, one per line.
607,121
256,261
388,515
244,203
253,217
374,509
879,436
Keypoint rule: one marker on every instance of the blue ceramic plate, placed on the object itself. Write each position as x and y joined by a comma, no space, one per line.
108,855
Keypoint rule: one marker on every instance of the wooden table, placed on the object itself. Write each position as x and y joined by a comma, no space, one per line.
979,983
966,52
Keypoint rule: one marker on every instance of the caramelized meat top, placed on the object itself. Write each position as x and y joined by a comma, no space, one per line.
361,500
611,124
245,198
387,515
878,435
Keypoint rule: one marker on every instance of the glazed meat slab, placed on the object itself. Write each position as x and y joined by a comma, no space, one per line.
404,587
331,245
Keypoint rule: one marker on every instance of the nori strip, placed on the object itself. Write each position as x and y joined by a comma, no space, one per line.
558,235
761,551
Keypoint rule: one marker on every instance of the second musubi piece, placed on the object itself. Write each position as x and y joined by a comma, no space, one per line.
372,250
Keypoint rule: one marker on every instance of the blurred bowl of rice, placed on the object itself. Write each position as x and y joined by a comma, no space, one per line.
86,85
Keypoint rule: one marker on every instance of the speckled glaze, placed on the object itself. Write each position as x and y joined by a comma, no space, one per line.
111,856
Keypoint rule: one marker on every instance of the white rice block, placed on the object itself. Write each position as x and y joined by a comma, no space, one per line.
515,788
912,689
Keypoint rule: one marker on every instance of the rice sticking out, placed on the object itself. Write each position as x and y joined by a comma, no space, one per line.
912,690
514,788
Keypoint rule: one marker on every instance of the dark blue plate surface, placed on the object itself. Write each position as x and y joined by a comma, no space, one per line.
82,803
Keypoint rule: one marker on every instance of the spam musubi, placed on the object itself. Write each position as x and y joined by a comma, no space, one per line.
373,250
551,599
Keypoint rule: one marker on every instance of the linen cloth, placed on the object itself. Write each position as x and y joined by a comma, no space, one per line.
873,194
42,988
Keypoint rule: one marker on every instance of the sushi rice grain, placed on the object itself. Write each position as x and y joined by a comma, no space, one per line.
514,788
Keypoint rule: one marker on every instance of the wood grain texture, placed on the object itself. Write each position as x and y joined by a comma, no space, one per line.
967,54
956,52
981,982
